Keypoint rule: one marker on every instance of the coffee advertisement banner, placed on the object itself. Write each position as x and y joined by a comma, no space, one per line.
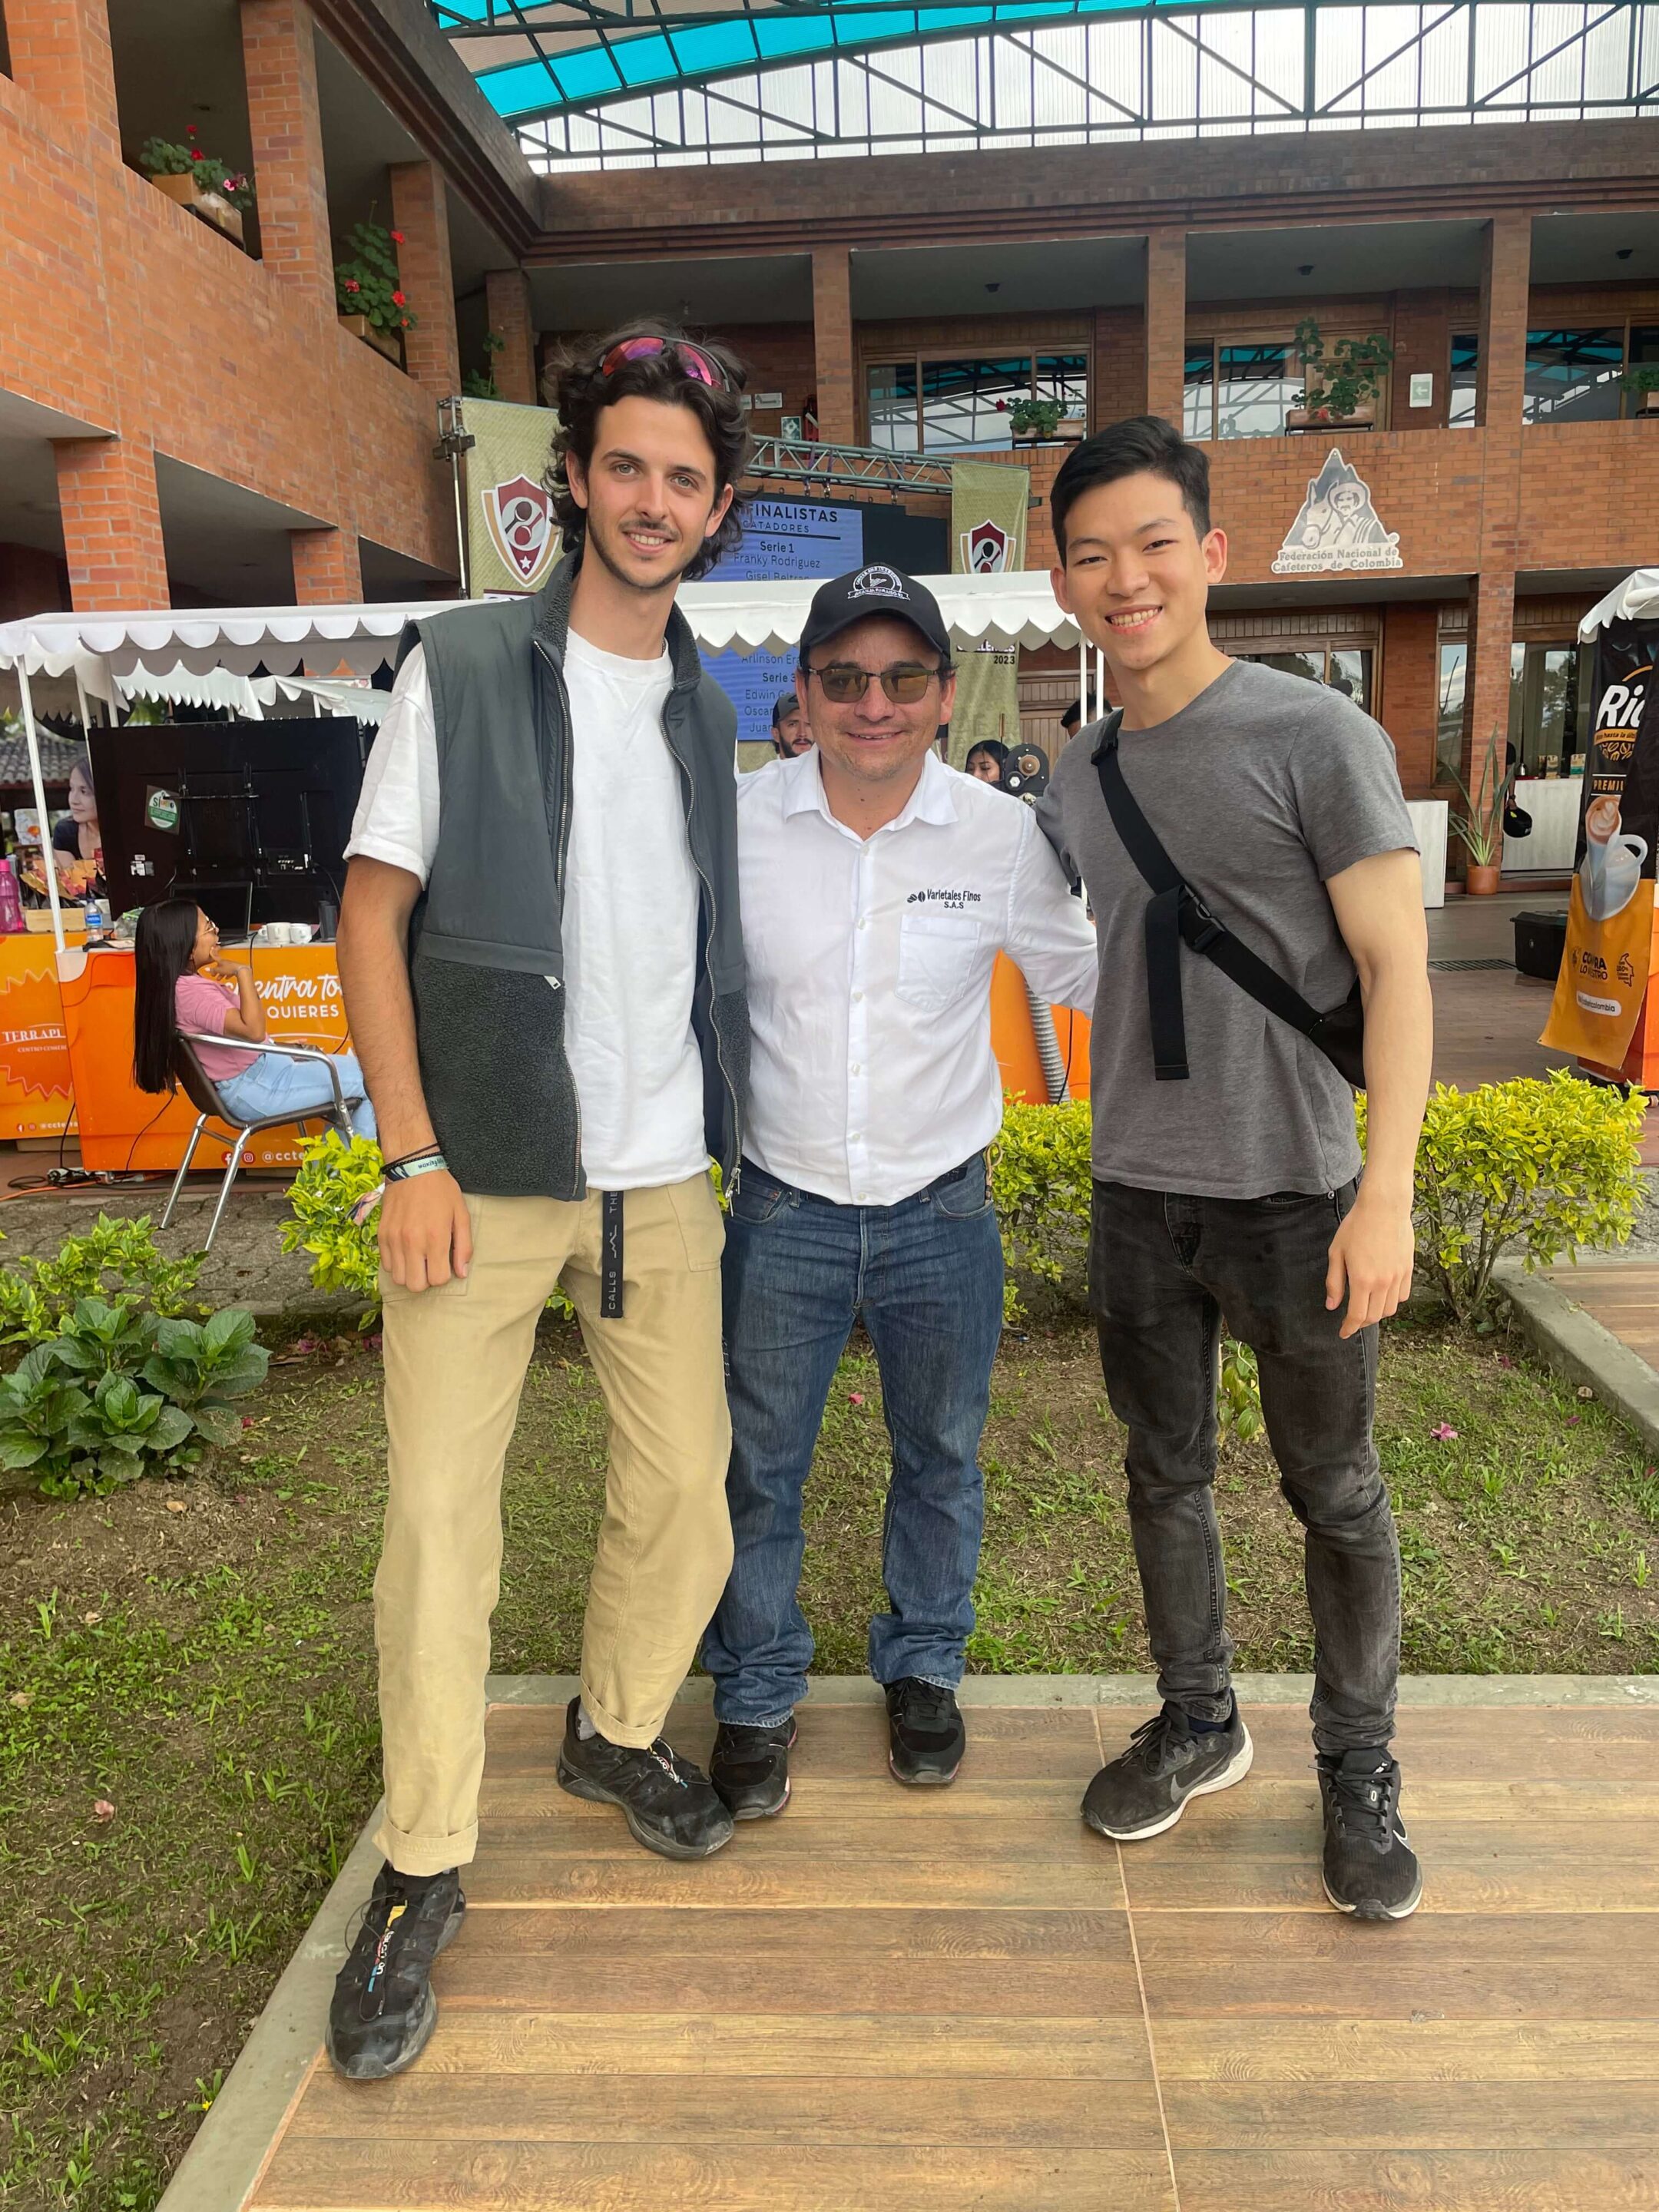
988,537
512,538
1605,969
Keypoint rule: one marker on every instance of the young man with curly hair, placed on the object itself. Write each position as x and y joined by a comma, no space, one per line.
540,951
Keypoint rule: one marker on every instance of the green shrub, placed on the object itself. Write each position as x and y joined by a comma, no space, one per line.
117,1261
1042,1186
116,1393
1543,1165
333,1178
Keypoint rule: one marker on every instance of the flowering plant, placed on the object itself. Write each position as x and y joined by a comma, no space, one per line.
162,157
368,283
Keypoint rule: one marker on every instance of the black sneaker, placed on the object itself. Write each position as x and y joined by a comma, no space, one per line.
383,2011
1145,1788
749,1768
925,1731
1370,1871
669,1805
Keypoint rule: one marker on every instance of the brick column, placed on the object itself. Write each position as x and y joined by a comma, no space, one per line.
279,62
832,344
506,292
1504,286
112,520
327,569
420,211
1166,324
60,53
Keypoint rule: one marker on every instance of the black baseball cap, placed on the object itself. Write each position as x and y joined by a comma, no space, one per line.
876,590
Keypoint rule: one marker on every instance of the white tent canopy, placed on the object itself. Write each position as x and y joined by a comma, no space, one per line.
759,616
1638,595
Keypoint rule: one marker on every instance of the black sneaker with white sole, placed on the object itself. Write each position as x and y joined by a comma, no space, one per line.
670,1805
1144,1789
383,2010
926,1735
1370,1868
749,1768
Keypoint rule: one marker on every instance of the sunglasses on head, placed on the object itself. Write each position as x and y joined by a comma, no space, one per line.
905,682
690,359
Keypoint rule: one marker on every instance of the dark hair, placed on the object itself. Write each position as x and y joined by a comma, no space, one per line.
163,950
999,752
81,765
1141,445
580,394
1072,718
785,705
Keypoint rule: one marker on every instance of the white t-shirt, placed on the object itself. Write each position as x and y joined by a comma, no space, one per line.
630,904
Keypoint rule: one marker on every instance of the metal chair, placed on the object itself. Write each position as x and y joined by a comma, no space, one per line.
203,1093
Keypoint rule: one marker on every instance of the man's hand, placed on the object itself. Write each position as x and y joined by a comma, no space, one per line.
1370,1263
426,1233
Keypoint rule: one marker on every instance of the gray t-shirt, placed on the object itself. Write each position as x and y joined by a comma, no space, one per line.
1260,789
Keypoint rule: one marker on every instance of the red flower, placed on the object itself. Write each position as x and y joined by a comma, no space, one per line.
190,130
404,324
197,155
352,285
400,299
396,236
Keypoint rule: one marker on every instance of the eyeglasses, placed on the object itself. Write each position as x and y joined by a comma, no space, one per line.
905,682
690,359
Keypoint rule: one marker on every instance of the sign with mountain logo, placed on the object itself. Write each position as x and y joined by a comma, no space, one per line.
1337,531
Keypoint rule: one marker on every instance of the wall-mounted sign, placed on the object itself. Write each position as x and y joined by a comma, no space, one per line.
794,537
513,537
1337,531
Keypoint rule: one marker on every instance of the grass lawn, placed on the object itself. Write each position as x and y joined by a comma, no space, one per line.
187,1735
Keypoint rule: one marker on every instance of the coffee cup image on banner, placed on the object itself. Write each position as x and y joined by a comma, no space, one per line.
1611,867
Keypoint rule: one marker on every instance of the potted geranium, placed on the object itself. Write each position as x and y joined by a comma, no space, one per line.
1035,422
1643,384
369,292
198,180
1344,380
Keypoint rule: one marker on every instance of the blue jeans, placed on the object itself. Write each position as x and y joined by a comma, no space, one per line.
275,1084
926,1278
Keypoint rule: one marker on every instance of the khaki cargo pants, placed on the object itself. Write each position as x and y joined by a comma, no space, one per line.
455,1364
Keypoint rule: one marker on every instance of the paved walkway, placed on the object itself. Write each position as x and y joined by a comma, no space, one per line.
891,1999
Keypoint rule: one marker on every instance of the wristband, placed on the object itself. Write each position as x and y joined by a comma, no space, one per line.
420,1153
422,1163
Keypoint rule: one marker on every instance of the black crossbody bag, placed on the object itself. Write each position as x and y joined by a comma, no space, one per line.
1176,914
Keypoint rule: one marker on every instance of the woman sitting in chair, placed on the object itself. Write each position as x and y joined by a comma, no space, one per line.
182,984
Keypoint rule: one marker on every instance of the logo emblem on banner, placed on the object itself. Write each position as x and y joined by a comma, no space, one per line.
985,549
1337,530
519,516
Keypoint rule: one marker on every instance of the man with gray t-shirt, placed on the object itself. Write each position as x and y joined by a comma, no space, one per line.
1227,1174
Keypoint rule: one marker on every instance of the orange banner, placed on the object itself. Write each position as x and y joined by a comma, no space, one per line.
34,1063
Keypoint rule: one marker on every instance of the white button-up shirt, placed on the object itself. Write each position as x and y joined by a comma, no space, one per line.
870,960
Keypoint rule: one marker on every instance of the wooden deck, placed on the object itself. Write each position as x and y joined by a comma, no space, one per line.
899,2000
1623,1295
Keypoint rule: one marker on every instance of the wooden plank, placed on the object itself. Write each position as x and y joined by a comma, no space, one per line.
894,2113
1407,2051
852,1870
1442,2181
1312,1966
1448,1804
919,2046
416,2174
511,1803
1408,2116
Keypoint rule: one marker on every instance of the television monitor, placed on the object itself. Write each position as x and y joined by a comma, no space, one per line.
247,815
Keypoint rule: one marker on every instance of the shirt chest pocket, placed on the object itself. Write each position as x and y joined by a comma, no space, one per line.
937,956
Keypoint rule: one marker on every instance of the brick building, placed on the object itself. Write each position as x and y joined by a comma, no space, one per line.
210,432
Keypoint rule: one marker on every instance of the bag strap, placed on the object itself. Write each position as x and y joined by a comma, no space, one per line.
1176,913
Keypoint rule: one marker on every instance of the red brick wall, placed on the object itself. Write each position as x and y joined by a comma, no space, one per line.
1408,694
279,66
832,345
167,333
420,207
506,295
1166,322
111,522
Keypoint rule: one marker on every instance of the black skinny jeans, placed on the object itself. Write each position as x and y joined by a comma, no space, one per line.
1163,1269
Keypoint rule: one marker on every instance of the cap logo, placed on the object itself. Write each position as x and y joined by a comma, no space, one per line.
878,583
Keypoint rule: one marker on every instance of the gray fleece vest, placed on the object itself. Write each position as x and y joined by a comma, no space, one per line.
488,931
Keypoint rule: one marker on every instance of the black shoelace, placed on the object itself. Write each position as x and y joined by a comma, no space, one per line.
1363,1804
1152,1745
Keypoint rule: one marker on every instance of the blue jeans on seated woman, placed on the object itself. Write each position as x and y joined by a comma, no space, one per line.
925,1277
276,1085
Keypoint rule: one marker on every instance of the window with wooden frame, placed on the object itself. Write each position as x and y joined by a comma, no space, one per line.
1574,372
1245,387
964,402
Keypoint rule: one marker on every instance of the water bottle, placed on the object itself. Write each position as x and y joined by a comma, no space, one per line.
94,916
11,901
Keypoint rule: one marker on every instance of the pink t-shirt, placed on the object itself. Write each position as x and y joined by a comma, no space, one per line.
202,1004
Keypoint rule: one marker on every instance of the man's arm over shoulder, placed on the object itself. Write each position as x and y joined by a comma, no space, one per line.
1052,809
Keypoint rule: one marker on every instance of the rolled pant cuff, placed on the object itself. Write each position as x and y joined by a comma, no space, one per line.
424,1854
614,1730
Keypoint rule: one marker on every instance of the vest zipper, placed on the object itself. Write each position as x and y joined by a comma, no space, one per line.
561,855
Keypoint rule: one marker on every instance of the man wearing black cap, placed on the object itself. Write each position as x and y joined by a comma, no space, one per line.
878,887
790,734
